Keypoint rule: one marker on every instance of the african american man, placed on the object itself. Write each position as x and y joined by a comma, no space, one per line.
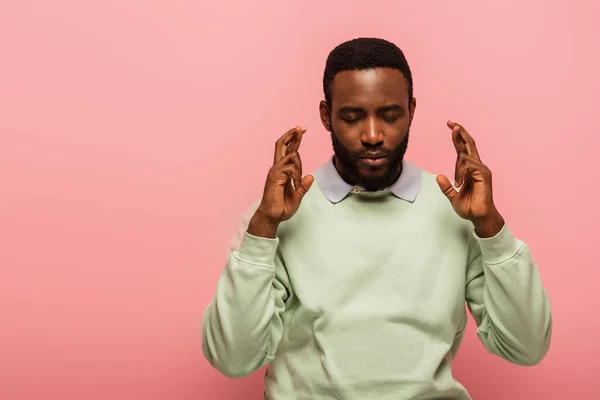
351,283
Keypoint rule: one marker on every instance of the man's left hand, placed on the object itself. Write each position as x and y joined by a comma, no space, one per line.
471,196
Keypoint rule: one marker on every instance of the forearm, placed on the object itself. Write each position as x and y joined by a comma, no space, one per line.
516,318
242,325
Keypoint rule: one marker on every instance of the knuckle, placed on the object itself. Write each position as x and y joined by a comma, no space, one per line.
273,170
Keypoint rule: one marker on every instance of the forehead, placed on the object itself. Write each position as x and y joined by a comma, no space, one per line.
370,87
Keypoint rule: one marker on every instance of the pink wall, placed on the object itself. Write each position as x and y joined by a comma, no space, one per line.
126,128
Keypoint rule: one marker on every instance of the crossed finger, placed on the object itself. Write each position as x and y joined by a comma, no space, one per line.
463,141
291,165
465,166
288,143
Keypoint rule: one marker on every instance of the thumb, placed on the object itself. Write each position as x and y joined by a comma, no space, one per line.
446,187
305,185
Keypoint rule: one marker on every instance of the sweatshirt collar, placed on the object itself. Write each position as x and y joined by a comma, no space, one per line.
336,189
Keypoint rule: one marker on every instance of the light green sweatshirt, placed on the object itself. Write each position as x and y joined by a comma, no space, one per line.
364,298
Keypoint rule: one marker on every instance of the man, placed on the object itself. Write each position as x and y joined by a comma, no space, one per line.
351,283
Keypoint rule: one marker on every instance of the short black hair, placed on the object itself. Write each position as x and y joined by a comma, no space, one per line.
362,54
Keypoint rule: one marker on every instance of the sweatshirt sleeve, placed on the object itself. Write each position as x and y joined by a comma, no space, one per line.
242,325
505,296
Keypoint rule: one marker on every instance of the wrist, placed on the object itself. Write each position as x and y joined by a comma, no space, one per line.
489,226
262,226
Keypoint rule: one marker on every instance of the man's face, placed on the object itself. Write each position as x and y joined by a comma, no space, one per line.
369,119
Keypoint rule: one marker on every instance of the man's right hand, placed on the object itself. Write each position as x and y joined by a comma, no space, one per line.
285,187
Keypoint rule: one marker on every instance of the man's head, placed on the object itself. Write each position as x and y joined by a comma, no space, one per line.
368,109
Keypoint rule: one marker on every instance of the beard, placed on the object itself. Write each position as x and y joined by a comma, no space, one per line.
371,180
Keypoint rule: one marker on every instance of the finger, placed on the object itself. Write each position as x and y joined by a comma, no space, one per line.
459,145
446,187
302,189
286,173
461,159
296,140
466,138
305,185
293,158
466,168
281,146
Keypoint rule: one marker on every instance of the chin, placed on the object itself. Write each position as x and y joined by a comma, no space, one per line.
371,178
374,180
371,172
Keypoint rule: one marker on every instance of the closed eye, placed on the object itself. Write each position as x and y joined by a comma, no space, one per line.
350,114
392,118
351,120
391,114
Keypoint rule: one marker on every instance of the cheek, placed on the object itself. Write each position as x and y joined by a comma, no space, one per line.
349,136
398,131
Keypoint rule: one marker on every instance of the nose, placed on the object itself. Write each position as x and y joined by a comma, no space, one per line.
372,134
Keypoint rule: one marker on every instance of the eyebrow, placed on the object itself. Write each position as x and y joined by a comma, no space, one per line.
350,109
391,107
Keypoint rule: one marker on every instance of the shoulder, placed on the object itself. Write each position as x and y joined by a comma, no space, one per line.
430,191
435,203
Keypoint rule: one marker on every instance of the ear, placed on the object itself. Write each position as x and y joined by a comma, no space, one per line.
412,107
325,115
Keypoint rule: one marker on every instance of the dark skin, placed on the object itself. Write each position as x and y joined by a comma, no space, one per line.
474,201
370,112
284,187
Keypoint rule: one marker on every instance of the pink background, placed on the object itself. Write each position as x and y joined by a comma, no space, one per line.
126,131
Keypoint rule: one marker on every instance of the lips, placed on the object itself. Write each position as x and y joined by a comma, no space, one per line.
374,160
373,155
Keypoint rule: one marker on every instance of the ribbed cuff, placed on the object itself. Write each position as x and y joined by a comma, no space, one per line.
500,247
258,250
